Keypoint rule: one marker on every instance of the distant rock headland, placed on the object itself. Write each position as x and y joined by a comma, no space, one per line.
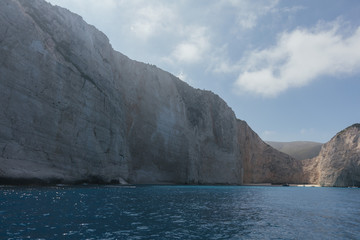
338,163
74,110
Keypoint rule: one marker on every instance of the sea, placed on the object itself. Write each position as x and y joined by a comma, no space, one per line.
179,212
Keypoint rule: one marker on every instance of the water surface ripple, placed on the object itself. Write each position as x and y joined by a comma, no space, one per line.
179,212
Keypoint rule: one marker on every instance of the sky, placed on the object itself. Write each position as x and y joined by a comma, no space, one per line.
290,69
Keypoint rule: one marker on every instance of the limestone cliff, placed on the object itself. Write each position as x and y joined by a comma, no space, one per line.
62,118
338,163
264,164
73,109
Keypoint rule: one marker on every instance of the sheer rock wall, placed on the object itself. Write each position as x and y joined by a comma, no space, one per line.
73,110
338,163
264,164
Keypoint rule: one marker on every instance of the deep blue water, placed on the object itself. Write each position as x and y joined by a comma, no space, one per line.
179,212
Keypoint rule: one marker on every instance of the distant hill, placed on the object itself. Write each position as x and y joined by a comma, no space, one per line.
299,150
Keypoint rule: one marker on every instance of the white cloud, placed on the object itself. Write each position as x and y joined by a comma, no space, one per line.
142,18
248,11
298,58
290,10
219,61
193,48
187,52
196,45
152,19
182,76
247,20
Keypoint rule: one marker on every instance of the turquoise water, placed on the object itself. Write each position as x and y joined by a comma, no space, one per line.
179,212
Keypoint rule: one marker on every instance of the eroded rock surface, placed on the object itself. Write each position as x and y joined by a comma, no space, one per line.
73,109
338,163
264,164
62,118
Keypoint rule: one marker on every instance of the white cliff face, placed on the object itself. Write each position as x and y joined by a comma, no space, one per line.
61,118
338,163
73,110
76,110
